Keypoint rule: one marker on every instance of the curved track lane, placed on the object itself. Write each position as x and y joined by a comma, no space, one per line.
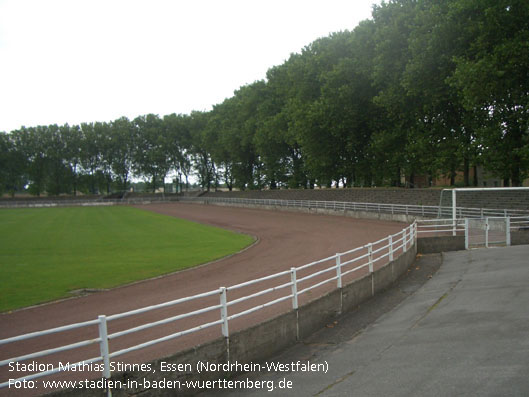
285,239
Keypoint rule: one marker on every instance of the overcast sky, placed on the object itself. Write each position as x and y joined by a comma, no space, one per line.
73,61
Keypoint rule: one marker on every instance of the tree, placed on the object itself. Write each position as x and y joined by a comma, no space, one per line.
91,156
123,147
493,77
200,151
397,142
71,136
12,166
151,157
106,147
30,142
178,139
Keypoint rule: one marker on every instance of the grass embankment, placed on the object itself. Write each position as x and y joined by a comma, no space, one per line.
45,253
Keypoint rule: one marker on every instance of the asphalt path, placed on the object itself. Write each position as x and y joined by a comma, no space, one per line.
460,331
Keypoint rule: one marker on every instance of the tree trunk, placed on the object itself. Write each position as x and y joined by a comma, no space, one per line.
515,173
397,179
466,167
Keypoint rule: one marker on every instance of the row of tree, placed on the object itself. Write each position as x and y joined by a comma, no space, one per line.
426,87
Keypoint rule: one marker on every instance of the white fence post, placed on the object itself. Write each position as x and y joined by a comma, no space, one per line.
103,347
371,271
390,248
370,253
338,271
224,312
467,234
454,212
487,232
294,282
508,231
404,238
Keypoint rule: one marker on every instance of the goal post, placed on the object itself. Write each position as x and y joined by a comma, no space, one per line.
495,206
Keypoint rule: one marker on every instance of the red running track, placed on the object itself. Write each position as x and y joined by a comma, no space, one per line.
284,239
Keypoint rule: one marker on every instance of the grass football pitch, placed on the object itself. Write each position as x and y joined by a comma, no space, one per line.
46,253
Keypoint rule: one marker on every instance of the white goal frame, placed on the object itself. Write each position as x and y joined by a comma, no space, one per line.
472,189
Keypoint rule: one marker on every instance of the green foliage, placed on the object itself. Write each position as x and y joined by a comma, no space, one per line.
47,253
425,88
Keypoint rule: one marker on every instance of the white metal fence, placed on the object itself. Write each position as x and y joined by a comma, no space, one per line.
290,285
85,203
493,231
478,232
426,211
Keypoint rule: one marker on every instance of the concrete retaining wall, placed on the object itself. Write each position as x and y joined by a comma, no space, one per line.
434,245
520,237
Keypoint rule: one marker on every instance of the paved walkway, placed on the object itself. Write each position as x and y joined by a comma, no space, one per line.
465,331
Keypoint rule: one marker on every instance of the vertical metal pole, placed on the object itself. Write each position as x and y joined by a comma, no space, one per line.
294,282
508,231
487,232
370,256
224,312
370,253
338,271
467,243
454,212
390,248
103,347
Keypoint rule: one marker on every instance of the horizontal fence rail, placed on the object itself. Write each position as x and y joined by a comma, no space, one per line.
85,203
289,285
426,211
436,227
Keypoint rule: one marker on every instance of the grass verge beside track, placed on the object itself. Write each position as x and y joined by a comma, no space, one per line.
45,253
